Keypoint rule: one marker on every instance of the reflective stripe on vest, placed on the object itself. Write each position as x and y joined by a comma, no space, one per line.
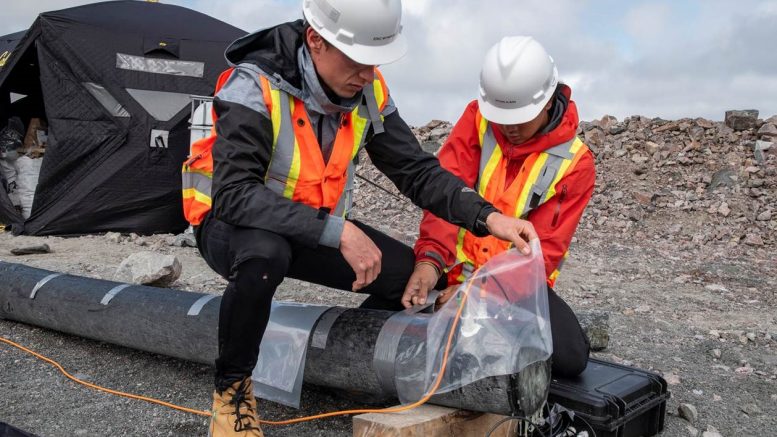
297,169
197,171
534,185
554,275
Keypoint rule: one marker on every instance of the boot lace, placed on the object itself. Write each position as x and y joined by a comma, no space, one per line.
239,399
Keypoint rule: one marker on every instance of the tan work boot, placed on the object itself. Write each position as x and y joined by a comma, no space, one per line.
234,412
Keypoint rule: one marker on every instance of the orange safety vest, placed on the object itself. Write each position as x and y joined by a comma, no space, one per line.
297,170
534,185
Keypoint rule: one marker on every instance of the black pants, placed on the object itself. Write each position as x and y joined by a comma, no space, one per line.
255,262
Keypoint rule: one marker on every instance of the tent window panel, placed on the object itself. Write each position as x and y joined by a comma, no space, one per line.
106,99
160,66
161,105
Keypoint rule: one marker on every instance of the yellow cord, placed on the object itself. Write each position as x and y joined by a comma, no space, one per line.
206,413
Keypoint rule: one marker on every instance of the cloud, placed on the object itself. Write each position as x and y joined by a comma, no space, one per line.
19,15
648,57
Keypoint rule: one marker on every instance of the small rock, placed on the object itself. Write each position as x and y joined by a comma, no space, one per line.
715,333
607,121
751,409
759,149
711,433
672,379
652,147
644,197
763,145
715,287
31,250
114,237
636,215
149,268
688,412
639,159
716,353
742,120
721,178
750,336
594,137
767,131
754,240
724,210
682,279
642,309
764,216
745,370
717,398
185,240
617,129
693,432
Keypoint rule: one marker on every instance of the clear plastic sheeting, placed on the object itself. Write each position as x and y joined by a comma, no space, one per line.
279,371
497,323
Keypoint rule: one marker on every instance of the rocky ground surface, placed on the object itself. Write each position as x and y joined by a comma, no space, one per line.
678,245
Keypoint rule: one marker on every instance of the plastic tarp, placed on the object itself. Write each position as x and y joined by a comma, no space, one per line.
279,371
497,323
27,174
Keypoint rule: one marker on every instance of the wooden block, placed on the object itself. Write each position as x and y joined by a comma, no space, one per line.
430,421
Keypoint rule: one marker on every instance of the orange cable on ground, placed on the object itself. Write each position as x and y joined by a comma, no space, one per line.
416,404
97,387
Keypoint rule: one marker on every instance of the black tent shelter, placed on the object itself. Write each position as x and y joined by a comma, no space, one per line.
113,81
7,45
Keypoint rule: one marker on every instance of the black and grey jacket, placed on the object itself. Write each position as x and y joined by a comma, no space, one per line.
243,147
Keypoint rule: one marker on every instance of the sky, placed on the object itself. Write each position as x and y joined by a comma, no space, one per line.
657,58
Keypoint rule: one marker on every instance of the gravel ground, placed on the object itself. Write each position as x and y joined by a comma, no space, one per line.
657,323
687,274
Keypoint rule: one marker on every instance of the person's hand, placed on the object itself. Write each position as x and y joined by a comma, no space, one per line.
361,253
517,231
423,280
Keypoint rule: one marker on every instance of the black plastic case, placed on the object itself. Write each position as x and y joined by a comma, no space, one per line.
616,400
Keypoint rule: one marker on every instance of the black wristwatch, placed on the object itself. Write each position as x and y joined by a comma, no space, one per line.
480,229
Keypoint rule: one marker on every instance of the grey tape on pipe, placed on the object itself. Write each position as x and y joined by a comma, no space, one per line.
113,292
197,305
427,307
384,360
325,323
43,282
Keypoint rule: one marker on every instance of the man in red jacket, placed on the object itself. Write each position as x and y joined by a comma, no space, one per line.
516,145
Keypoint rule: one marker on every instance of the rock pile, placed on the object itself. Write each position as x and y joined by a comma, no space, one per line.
688,184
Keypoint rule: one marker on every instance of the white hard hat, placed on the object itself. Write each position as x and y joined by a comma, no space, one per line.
367,31
517,80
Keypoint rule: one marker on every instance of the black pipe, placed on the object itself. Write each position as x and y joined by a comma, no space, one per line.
182,324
